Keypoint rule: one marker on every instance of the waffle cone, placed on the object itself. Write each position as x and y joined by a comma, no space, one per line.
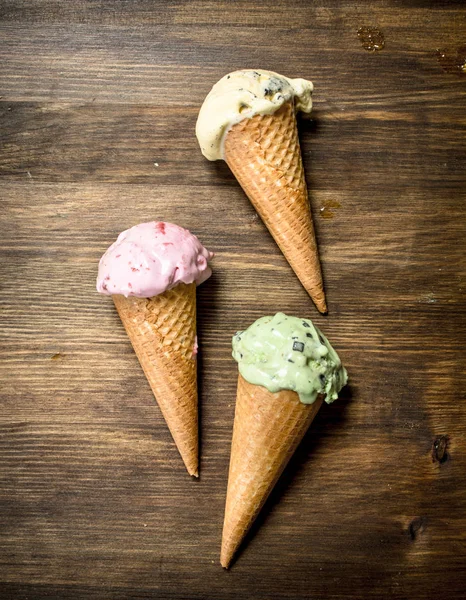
264,154
162,331
267,429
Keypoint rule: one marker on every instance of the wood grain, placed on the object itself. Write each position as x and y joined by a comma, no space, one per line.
94,501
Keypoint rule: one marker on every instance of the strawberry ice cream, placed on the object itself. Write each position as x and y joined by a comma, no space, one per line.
150,259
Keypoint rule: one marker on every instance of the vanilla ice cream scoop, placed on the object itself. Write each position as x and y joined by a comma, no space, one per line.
241,95
150,259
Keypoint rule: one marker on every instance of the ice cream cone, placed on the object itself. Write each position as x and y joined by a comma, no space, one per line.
264,154
267,429
162,330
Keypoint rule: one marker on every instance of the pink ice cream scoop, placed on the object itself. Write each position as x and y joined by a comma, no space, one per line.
151,258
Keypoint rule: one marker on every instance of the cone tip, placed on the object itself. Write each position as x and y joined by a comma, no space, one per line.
317,295
191,462
321,306
225,560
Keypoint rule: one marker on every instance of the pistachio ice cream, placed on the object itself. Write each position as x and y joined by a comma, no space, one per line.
244,94
288,353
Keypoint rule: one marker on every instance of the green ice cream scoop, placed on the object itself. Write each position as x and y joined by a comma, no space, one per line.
287,353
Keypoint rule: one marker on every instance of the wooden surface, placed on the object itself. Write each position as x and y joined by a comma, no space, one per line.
94,499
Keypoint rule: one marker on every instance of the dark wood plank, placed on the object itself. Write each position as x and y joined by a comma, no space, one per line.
201,13
177,64
94,499
147,144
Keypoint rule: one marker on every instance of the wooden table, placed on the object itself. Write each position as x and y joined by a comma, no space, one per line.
98,106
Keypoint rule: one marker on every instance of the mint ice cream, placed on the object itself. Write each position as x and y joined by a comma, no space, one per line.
287,353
